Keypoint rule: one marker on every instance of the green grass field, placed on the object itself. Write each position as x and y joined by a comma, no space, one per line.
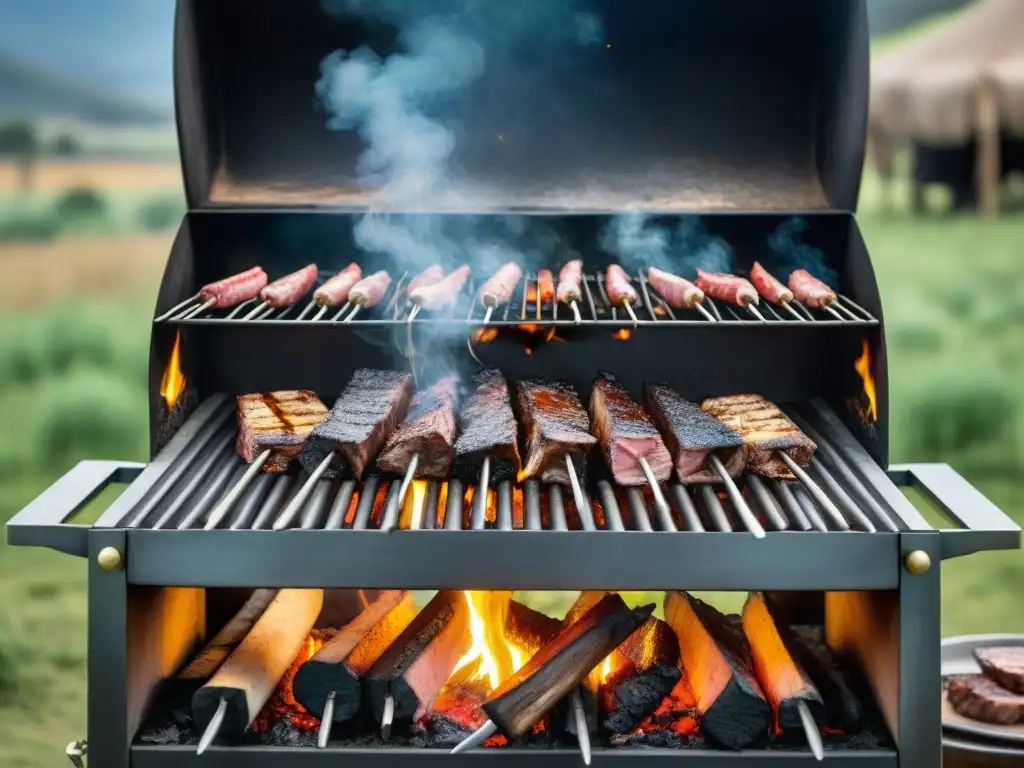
72,385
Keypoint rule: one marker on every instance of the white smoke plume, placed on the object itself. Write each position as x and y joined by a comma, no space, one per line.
793,253
638,243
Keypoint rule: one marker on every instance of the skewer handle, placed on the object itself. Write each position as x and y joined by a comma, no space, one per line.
811,730
403,491
177,308
577,317
739,503
326,722
387,717
652,481
487,315
213,727
482,734
628,306
256,310
582,730
704,311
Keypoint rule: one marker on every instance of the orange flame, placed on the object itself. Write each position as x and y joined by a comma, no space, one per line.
172,384
623,334
491,658
413,508
606,669
863,367
484,335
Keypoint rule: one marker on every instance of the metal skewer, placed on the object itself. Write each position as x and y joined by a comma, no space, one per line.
487,315
177,308
704,311
582,731
235,493
214,726
793,312
578,318
628,306
319,315
198,310
815,490
387,717
258,309
754,311
354,313
736,497
831,311
412,315
479,515
403,489
295,506
475,739
811,730
577,491
659,497
326,722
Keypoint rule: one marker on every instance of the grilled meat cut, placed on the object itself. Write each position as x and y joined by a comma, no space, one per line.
678,292
728,288
334,293
290,288
442,293
429,276
1003,666
693,436
278,422
428,431
364,416
233,290
977,697
618,286
810,290
570,282
626,434
770,288
487,428
499,288
556,426
766,430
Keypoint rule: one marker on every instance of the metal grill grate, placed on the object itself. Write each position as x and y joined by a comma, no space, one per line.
524,308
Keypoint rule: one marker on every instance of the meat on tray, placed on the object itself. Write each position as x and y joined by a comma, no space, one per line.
771,289
978,698
487,428
693,436
766,430
626,434
618,286
290,288
499,288
373,403
556,426
429,276
369,291
728,288
442,293
1003,665
334,293
545,287
570,282
428,431
810,290
678,292
278,422
233,290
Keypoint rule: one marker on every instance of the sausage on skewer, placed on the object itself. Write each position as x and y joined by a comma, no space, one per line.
334,293
678,292
291,288
810,290
234,290
499,288
441,293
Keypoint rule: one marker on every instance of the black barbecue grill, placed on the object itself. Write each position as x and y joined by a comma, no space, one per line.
746,114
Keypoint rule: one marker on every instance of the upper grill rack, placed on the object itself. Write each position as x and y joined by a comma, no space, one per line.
210,468
523,308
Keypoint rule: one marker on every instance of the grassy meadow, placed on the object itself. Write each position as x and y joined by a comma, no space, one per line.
74,335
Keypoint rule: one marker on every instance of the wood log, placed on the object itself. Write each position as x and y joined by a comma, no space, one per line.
717,661
839,681
561,665
231,634
674,723
338,667
419,662
782,678
644,670
591,684
248,677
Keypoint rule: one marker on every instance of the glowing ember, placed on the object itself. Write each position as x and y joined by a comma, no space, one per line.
863,367
282,704
413,507
677,713
484,335
172,384
490,657
623,335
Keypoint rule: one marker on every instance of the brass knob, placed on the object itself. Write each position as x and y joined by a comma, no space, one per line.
918,562
110,559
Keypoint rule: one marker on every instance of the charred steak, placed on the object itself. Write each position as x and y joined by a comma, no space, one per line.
766,431
487,428
692,436
373,404
556,426
626,434
977,697
1003,665
428,431
278,422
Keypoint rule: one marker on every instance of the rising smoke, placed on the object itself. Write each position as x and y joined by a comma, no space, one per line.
793,253
638,242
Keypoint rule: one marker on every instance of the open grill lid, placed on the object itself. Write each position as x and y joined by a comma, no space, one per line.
547,104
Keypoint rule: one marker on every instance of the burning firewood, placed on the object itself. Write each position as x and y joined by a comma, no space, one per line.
406,679
227,639
672,724
717,660
229,703
557,668
843,691
329,684
794,697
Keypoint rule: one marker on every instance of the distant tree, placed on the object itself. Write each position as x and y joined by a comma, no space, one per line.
81,204
66,145
20,142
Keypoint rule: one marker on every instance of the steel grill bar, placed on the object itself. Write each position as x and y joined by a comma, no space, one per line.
430,503
686,509
453,513
638,510
478,509
612,516
809,507
279,492
790,506
336,517
366,501
835,491
715,510
221,447
251,501
766,503
214,491
316,507
392,507
531,506
505,506
556,505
